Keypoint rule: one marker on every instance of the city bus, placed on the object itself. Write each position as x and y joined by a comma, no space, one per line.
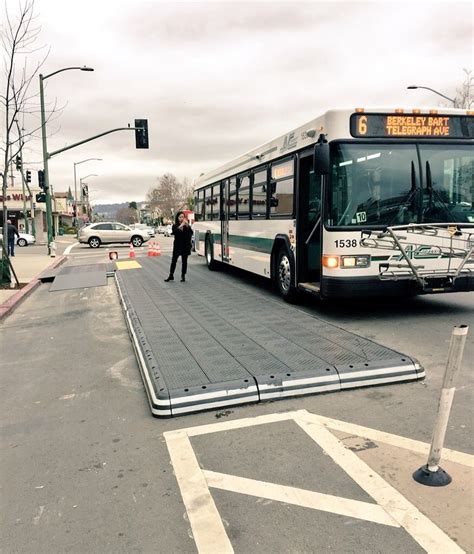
357,202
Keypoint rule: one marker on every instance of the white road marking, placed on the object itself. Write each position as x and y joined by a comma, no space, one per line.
206,524
428,535
395,440
37,517
300,497
237,424
69,248
392,507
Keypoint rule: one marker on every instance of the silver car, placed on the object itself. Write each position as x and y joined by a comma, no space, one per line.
111,232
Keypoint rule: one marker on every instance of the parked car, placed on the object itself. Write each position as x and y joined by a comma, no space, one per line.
143,227
107,232
25,239
161,229
167,231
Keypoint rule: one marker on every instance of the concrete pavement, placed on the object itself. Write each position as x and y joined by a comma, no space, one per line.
29,263
90,471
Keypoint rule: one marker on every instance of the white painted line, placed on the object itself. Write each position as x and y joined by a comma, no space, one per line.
238,423
163,405
206,524
69,248
382,371
424,531
394,440
300,497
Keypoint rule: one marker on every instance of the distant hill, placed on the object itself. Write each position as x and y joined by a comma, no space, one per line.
109,210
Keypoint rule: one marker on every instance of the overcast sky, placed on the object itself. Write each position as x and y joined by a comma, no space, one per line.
215,79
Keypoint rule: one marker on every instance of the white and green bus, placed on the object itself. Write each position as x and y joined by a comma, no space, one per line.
356,202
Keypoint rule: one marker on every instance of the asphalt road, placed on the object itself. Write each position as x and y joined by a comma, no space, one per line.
86,468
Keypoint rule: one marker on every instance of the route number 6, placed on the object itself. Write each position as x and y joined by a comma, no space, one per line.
362,124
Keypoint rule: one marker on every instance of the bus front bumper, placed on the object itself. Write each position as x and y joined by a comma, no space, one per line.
340,287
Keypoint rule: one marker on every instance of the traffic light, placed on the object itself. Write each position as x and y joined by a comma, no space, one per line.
141,133
41,197
41,179
28,176
18,163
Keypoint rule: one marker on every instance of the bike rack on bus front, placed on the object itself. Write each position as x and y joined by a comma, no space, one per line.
459,247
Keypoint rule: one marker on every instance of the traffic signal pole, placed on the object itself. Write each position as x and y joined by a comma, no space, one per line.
142,131
25,213
46,156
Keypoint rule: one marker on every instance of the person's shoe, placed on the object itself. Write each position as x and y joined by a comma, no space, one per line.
169,278
183,279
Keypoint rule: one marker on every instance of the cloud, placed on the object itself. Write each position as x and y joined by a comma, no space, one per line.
216,79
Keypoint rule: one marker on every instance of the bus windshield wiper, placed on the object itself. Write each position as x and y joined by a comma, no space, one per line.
434,196
408,198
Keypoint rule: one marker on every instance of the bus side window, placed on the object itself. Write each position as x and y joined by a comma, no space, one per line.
259,194
243,198
232,200
282,188
200,205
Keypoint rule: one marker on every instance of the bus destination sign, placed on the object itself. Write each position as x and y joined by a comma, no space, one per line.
370,125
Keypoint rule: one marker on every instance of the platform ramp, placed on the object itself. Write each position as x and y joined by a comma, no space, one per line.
213,342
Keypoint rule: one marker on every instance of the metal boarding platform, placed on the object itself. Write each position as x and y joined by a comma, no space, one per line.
212,342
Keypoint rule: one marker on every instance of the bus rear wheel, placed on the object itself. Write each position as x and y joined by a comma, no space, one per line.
209,253
285,276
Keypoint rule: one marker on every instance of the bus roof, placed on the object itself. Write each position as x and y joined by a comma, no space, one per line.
334,124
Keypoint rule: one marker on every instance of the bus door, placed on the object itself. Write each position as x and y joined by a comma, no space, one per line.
225,188
308,231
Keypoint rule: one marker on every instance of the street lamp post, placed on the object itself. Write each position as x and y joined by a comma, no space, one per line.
82,187
411,87
49,213
75,182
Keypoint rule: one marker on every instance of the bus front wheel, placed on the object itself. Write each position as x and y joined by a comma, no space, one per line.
209,253
285,276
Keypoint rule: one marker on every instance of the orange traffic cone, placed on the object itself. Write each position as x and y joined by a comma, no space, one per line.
131,254
150,250
157,249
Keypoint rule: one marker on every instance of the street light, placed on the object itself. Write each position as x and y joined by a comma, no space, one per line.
49,213
75,182
411,87
82,187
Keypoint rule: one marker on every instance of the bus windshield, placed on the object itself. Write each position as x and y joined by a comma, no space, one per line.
382,185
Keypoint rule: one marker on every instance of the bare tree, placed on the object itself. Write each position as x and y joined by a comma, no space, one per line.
18,35
465,94
168,196
127,216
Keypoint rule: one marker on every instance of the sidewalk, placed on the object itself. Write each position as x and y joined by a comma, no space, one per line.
27,268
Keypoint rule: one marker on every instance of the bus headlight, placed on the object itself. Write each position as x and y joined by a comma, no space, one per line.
353,262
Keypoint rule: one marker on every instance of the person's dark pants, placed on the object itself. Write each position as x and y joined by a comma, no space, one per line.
174,260
11,246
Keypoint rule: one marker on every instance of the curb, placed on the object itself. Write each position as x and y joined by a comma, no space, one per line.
9,305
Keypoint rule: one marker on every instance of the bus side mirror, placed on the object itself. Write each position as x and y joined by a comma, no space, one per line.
321,159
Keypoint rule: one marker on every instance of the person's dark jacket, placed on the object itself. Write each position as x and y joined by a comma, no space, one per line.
182,239
12,231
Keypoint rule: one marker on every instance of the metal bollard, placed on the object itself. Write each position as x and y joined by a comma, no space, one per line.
432,474
52,249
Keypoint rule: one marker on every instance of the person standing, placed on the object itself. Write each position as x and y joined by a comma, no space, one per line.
181,247
12,233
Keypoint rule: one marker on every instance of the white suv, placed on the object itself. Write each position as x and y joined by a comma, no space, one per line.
109,232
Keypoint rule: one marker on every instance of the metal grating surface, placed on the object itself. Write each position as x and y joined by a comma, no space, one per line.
212,341
78,277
